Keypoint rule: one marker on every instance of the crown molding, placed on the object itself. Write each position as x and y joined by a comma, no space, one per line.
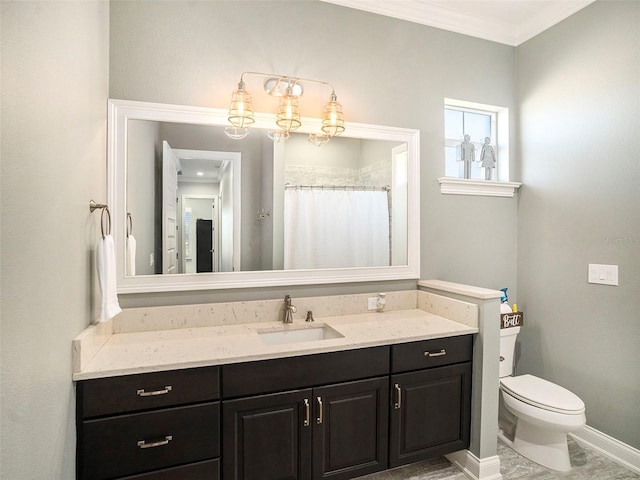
425,13
548,17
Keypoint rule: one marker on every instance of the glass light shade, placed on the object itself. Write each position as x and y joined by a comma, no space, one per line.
241,110
288,117
279,86
332,118
235,132
277,135
318,139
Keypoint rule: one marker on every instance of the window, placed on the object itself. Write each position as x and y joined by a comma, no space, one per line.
476,148
478,125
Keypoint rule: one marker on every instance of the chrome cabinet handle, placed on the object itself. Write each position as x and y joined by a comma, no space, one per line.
306,412
398,403
320,414
164,391
435,354
159,443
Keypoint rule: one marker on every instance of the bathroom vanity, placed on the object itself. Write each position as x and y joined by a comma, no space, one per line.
392,388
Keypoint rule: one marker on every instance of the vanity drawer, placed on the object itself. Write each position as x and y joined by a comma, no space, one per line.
142,442
209,470
294,373
130,393
431,353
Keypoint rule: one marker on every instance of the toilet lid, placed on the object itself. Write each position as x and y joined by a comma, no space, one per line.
543,394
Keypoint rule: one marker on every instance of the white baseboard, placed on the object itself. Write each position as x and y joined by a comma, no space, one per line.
474,467
609,447
489,468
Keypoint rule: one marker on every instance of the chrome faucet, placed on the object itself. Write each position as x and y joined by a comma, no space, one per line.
289,310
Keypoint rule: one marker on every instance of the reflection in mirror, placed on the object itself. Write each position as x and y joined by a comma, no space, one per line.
207,209
337,203
206,198
183,201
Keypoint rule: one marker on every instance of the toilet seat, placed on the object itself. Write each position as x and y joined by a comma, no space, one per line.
542,394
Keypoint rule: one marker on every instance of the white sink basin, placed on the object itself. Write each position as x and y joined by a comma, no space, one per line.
291,335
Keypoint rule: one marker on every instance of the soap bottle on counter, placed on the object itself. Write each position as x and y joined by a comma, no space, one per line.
504,305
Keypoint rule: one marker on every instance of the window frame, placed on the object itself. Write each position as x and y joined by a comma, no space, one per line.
499,137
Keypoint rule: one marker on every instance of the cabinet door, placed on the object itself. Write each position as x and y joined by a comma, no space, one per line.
350,428
430,413
267,437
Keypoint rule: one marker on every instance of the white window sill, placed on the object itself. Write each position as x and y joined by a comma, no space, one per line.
462,186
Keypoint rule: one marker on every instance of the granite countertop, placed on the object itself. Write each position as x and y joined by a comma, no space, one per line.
159,350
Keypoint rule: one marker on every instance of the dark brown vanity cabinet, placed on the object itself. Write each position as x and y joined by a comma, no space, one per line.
335,415
154,426
336,431
431,399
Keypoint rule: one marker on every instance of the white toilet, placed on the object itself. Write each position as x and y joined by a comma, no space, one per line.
542,413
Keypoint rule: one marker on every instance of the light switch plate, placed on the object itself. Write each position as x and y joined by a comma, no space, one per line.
603,274
372,303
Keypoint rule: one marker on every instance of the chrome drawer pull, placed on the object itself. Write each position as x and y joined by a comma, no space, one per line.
435,354
398,402
320,415
159,443
306,412
142,393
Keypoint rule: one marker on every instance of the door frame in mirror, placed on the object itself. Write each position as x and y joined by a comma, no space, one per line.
119,114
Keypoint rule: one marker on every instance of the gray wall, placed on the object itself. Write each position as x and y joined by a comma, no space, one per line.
53,127
579,86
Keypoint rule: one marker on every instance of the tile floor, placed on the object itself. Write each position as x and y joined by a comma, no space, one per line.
587,465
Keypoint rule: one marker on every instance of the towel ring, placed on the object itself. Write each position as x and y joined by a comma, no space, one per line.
102,226
129,225
105,209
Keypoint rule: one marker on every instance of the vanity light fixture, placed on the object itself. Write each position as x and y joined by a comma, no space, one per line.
289,89
288,117
318,139
241,111
277,135
235,132
332,119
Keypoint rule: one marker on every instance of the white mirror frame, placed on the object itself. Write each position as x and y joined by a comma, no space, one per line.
121,111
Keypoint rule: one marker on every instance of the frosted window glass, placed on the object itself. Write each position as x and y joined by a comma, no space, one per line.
477,126
451,167
453,123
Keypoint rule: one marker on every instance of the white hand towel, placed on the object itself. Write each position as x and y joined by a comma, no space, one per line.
131,256
106,260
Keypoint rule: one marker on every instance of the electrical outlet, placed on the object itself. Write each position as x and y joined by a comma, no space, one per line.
372,303
151,260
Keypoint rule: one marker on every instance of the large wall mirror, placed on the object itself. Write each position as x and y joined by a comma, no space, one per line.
195,209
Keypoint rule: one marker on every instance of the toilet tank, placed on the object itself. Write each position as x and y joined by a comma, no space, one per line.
507,349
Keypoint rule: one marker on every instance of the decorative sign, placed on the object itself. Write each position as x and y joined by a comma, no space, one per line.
508,320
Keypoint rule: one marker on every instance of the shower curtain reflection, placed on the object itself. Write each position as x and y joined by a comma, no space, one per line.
335,228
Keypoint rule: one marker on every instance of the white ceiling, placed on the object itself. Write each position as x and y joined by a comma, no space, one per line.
511,22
